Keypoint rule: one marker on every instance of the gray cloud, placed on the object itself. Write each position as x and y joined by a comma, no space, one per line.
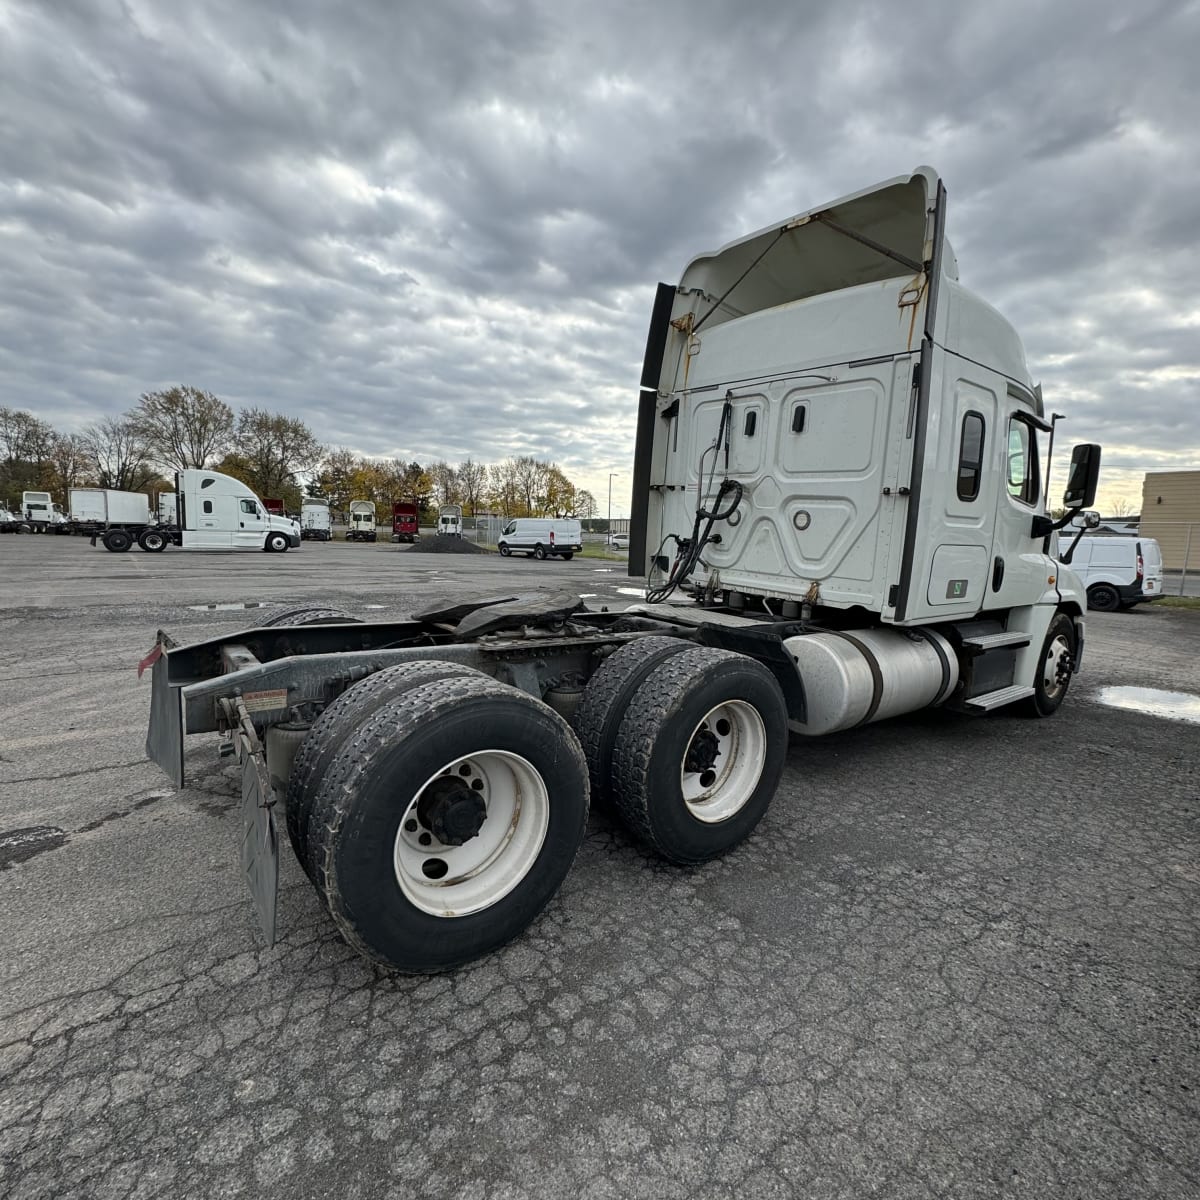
434,230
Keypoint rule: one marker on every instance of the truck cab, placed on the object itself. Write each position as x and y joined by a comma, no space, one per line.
218,512
450,520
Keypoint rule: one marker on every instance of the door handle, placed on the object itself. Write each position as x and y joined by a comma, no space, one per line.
997,573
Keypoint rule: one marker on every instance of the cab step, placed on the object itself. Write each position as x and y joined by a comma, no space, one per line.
998,699
983,642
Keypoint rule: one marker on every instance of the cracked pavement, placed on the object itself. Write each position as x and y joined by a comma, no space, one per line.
958,958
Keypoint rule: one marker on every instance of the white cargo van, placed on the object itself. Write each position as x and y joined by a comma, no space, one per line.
543,537
1118,572
450,520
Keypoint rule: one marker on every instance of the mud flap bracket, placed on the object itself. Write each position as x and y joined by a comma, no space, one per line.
260,839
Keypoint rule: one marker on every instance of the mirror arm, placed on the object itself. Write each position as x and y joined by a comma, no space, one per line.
1069,553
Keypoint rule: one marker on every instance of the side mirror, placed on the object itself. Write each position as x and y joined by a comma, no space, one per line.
1084,476
1091,520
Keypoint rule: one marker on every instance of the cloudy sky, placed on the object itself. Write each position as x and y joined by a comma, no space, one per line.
432,228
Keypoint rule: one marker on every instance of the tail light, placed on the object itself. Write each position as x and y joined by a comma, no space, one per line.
1139,560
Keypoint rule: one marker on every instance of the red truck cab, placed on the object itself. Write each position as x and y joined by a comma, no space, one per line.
404,523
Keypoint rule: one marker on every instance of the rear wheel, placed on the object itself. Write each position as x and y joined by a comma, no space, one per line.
117,540
1103,597
699,753
606,698
153,541
330,732
539,551
454,816
1054,669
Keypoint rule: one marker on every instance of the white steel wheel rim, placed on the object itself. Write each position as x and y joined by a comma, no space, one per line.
1050,668
721,790
489,865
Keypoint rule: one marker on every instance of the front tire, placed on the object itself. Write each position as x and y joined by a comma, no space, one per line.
1103,597
277,543
453,817
1053,676
699,753
504,550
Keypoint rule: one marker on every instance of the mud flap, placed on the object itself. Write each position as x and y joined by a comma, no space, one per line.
164,739
260,841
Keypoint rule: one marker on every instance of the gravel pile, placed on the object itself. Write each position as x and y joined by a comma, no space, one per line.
441,544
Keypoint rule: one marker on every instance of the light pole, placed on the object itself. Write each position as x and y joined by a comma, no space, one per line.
609,535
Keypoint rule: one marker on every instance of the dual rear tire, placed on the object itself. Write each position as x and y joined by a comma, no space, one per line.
437,812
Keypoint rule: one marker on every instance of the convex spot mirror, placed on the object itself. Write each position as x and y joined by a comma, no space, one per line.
1091,520
1084,476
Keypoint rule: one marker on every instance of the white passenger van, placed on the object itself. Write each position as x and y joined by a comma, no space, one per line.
1118,572
543,537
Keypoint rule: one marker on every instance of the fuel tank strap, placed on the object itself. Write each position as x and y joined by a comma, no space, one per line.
873,665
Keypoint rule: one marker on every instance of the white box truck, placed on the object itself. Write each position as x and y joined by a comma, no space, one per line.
839,514
214,512
95,510
316,524
362,521
450,521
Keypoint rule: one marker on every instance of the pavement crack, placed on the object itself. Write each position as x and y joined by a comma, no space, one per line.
137,762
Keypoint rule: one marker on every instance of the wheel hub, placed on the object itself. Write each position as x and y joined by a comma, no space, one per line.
451,811
703,751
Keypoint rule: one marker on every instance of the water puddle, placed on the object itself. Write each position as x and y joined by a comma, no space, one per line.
374,606
18,845
639,592
604,570
1175,706
227,607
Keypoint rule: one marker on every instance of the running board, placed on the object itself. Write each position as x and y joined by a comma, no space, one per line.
998,699
983,642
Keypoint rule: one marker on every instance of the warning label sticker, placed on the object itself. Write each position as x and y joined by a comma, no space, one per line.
265,701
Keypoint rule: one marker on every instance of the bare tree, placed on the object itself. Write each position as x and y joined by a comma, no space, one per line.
472,483
118,455
70,463
504,486
532,477
275,449
585,504
184,426
1124,507
445,482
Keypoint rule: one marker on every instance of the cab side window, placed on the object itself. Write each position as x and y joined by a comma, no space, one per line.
970,456
1024,483
248,506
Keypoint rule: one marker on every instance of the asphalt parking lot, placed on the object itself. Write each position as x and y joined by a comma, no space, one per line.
959,958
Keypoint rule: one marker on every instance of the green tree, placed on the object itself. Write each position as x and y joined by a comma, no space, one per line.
183,426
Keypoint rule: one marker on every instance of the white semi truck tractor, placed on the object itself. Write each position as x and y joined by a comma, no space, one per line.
839,515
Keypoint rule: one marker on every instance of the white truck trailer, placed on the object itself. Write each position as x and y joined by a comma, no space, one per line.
362,521
316,523
213,512
840,517
96,510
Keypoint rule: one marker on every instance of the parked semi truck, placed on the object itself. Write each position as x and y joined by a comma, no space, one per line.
450,523
41,514
362,521
214,512
839,517
405,522
316,524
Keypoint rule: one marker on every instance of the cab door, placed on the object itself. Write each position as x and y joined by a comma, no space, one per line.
211,517
250,532
1021,572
